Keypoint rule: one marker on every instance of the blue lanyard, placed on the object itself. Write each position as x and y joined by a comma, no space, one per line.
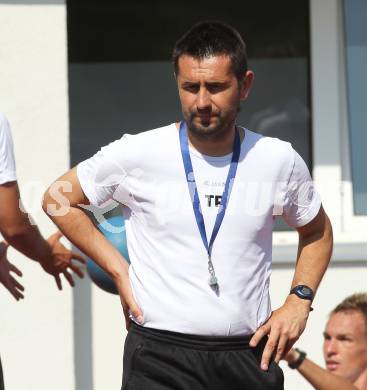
184,143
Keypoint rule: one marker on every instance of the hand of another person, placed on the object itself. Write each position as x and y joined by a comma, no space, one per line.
9,282
128,302
283,329
60,261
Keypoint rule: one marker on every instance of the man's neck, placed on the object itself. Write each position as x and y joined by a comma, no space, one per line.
213,147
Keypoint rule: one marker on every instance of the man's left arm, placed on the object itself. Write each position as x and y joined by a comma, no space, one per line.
287,323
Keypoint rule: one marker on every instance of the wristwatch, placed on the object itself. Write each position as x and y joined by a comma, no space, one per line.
302,291
299,361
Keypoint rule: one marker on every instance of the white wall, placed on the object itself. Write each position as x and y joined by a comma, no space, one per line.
108,338
36,335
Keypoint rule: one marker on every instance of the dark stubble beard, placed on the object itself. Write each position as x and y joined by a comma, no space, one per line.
212,132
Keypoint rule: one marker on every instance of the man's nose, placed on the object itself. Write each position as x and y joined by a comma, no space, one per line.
203,99
331,347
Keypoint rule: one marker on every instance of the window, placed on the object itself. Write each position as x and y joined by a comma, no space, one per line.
355,27
121,77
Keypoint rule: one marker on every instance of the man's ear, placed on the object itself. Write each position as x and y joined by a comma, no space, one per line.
246,84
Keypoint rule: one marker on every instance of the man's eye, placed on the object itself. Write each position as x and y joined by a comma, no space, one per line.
191,88
344,338
216,88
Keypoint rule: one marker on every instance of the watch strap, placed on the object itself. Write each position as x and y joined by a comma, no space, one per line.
299,291
299,360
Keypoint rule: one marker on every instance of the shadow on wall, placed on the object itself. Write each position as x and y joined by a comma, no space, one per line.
83,350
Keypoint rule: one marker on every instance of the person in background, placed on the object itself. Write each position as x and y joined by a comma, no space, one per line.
345,349
22,234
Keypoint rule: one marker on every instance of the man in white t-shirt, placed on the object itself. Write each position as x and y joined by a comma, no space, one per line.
199,199
20,233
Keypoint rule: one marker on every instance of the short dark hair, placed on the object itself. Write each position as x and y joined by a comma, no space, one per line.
354,303
212,38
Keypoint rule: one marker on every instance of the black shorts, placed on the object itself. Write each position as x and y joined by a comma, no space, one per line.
162,360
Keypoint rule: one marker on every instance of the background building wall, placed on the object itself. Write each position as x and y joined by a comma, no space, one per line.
36,335
348,270
74,340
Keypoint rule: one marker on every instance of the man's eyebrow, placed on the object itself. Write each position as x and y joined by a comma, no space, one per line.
217,82
189,83
338,335
210,83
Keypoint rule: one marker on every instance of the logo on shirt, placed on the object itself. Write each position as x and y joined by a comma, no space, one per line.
213,200
214,183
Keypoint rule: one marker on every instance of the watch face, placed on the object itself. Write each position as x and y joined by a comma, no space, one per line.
305,291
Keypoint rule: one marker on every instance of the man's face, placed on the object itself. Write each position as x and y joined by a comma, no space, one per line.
210,94
345,344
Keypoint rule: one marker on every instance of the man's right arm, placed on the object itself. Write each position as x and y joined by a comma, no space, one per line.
66,211
319,378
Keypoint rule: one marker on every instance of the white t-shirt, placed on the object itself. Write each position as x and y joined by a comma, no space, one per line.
7,161
169,263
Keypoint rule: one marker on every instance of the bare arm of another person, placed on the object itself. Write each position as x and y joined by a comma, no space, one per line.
24,236
287,323
80,230
319,378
